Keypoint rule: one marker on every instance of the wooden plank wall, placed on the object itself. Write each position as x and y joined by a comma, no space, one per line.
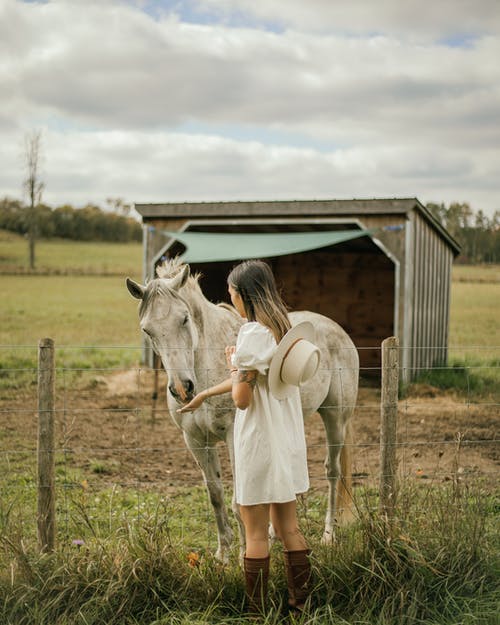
430,314
356,290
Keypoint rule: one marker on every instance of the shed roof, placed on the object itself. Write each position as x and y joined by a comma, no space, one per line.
285,208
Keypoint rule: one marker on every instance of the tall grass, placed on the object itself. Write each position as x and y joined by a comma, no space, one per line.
439,568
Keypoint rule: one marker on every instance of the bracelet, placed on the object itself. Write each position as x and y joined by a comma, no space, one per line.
233,371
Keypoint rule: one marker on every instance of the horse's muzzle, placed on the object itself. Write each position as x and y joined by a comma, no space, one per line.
182,391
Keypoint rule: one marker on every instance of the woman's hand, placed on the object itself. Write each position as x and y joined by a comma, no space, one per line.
194,403
229,351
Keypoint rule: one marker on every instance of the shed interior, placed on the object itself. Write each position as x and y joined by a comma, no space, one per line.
351,282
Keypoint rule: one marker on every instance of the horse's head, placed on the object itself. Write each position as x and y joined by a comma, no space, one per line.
166,316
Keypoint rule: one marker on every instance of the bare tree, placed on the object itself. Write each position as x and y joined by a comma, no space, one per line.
33,187
119,206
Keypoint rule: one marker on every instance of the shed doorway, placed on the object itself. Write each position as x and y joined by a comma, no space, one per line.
353,282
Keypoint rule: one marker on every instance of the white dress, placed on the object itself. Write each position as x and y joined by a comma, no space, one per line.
269,442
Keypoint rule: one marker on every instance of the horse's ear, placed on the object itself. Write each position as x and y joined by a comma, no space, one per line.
135,289
180,279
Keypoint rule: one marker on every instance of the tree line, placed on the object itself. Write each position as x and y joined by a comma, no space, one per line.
90,223
476,233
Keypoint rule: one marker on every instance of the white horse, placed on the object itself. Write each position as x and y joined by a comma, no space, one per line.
189,333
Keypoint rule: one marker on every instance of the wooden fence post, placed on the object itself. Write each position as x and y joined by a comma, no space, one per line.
388,426
46,518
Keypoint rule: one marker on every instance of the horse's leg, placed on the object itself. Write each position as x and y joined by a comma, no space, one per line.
344,485
332,421
235,507
207,457
338,476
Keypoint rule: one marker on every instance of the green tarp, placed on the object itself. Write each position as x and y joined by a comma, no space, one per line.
210,247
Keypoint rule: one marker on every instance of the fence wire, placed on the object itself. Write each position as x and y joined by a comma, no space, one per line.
119,453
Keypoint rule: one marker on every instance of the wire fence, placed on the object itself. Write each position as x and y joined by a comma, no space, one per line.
118,453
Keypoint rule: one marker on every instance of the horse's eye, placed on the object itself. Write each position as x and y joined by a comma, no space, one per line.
185,320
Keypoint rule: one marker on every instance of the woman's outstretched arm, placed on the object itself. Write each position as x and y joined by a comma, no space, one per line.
218,389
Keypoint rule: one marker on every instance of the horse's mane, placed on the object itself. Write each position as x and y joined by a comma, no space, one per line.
170,267
231,309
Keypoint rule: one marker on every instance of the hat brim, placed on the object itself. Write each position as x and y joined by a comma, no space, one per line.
303,330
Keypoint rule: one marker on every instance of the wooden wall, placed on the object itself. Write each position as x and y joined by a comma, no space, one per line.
429,314
354,289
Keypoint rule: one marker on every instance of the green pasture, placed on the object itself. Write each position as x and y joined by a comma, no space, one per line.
76,297
476,273
73,310
64,256
474,320
92,319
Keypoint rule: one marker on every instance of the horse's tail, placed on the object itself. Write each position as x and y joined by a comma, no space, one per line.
345,502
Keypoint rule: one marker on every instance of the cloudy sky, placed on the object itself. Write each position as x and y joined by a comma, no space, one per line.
200,100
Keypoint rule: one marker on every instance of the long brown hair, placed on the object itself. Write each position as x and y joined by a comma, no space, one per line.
254,281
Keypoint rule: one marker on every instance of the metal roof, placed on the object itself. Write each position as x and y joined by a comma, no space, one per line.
294,208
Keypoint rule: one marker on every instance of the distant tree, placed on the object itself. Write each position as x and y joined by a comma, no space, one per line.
44,221
33,187
478,235
89,223
12,215
119,206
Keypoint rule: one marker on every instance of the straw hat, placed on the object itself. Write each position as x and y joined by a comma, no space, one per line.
295,361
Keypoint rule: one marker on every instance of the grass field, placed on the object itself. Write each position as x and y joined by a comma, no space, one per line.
474,321
92,319
65,256
476,273
81,312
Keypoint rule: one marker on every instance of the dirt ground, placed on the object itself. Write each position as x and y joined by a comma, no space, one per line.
108,431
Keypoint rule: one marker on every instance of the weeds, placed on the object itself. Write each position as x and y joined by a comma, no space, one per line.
438,568
470,379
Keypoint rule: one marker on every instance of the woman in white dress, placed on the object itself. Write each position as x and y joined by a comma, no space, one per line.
269,441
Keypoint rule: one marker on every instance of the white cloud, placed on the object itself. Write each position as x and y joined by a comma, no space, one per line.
269,114
408,19
153,166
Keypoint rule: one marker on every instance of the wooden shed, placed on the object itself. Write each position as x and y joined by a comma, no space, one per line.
394,281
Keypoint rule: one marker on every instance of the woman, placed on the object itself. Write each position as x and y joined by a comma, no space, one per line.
269,441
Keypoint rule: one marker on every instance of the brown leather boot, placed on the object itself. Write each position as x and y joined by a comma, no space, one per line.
298,575
256,577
